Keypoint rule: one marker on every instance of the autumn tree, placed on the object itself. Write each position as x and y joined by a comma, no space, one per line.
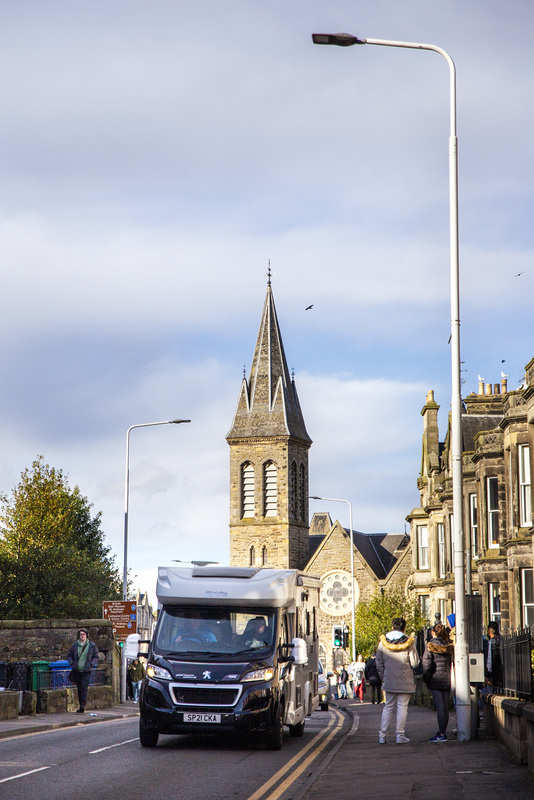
374,617
53,560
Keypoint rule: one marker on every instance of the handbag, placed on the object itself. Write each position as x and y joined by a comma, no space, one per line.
427,675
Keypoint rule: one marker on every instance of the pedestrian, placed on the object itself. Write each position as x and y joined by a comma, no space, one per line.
83,658
136,671
492,657
437,668
373,679
343,678
334,684
396,659
358,672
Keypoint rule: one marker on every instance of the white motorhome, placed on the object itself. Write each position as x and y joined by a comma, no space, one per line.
235,649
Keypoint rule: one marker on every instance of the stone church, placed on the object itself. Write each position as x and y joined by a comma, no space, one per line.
269,524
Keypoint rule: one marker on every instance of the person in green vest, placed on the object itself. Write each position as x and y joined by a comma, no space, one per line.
83,658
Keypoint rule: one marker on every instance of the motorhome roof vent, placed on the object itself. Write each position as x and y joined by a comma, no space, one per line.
225,572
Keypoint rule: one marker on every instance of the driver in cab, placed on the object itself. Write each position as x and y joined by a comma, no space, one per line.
196,630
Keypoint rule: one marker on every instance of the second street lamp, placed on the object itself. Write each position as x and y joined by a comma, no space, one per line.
127,493
353,604
463,714
126,504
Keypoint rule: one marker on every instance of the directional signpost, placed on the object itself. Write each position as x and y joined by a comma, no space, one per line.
123,615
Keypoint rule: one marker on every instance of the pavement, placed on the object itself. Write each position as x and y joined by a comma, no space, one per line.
359,767
48,722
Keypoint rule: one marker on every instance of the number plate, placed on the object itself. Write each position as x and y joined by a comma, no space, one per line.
202,718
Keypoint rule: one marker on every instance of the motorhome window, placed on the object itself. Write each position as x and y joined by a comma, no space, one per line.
214,630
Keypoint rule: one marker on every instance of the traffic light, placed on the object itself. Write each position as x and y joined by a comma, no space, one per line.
345,636
337,635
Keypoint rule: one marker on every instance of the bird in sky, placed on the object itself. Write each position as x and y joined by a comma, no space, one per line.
518,274
308,308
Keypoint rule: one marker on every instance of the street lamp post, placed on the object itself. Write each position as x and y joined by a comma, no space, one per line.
336,500
463,715
127,494
126,504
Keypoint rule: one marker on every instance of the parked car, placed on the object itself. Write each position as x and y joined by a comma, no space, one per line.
324,688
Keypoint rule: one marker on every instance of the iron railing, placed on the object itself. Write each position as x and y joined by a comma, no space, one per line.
57,679
515,650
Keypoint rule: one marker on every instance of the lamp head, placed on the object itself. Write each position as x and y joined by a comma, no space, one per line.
339,39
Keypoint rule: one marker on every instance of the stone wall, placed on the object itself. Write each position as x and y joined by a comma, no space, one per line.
51,639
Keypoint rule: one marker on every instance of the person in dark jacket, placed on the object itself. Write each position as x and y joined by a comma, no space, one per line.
437,665
83,658
492,657
373,679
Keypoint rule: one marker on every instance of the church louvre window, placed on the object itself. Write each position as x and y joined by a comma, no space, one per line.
247,490
270,490
293,494
302,493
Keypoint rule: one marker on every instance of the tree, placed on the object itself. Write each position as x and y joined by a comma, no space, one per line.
53,560
374,618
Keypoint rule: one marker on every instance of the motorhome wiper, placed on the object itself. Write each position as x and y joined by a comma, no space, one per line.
248,650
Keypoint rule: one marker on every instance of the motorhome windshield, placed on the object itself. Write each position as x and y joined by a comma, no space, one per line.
191,631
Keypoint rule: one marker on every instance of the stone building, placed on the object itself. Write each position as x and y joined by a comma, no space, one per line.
146,619
498,446
269,526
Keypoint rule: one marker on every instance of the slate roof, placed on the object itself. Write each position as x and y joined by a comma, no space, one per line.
380,551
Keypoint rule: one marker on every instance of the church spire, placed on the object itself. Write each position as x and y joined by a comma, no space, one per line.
269,400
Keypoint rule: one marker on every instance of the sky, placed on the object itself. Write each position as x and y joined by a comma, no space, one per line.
155,156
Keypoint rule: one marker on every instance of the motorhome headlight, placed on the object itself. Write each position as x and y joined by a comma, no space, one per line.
153,671
266,674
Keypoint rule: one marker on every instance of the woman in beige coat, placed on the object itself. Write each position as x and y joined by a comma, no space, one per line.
396,659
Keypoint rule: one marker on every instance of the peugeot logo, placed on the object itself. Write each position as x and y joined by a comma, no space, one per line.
206,675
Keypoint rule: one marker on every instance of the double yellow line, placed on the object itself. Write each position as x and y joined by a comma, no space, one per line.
333,727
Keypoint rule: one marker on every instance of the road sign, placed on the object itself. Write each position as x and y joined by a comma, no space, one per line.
123,615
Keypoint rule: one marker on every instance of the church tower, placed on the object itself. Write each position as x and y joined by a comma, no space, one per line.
269,460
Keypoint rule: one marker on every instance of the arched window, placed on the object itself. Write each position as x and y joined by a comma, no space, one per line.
293,492
252,557
247,490
303,494
264,556
270,490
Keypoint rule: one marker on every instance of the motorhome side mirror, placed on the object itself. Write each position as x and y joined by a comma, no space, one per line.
132,645
300,651
283,656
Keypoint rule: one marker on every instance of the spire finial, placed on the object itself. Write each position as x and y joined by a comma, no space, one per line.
244,371
269,273
293,374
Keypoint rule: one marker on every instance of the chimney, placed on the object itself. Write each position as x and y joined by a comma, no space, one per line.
430,396
496,388
504,385
481,386
488,390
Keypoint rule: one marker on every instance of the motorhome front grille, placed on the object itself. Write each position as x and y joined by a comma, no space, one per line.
205,695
